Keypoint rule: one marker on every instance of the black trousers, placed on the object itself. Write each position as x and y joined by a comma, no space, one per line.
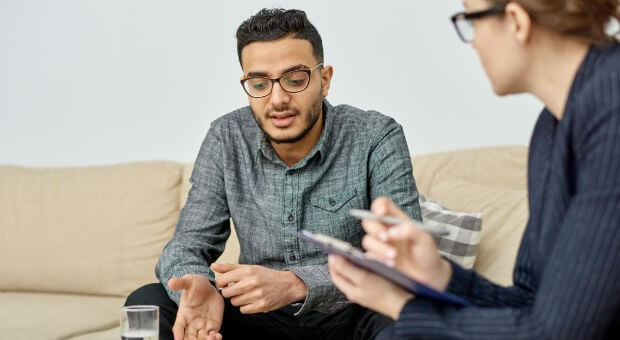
352,322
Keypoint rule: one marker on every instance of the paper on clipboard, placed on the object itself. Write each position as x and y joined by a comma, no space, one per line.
332,245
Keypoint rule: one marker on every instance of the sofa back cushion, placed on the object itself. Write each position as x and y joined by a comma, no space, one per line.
90,230
491,181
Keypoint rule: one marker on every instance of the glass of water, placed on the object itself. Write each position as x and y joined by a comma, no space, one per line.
140,323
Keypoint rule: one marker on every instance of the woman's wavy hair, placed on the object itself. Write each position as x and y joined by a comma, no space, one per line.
591,20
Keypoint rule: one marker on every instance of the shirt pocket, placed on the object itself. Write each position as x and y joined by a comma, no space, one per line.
331,215
334,202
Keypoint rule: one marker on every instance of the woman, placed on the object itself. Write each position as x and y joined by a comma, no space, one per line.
567,276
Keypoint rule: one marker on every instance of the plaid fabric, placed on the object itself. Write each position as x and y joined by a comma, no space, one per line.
461,246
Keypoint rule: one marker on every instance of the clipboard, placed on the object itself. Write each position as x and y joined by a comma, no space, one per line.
356,256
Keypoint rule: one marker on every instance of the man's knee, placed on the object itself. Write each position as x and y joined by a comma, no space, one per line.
150,294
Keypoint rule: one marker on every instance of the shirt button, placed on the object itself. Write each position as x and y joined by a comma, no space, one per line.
332,202
290,218
292,257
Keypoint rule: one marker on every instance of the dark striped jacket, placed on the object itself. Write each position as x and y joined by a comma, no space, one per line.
567,275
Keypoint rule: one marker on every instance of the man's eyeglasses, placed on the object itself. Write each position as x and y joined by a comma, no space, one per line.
292,82
463,21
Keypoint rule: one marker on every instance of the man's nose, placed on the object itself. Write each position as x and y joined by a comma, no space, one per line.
278,95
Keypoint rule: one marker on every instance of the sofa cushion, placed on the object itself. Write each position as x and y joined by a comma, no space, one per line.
112,333
487,180
89,230
461,245
56,316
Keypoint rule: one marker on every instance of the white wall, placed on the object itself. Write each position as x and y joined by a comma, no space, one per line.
94,82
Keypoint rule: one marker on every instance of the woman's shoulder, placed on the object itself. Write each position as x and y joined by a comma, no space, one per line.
606,58
594,108
599,93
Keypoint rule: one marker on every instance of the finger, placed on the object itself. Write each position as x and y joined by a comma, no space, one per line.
244,299
382,249
215,336
250,309
235,289
375,228
382,259
191,331
179,283
178,330
214,325
202,334
344,268
406,232
342,283
224,267
190,336
383,206
233,276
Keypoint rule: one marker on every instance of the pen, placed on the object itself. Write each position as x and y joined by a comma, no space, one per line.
369,215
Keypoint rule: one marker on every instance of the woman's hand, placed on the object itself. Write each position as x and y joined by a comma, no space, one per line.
406,247
367,289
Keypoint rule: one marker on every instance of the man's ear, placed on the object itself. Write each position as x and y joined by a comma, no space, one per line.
520,22
327,72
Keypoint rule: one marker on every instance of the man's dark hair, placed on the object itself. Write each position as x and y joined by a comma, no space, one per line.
275,23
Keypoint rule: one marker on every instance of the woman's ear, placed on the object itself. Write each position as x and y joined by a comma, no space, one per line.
519,22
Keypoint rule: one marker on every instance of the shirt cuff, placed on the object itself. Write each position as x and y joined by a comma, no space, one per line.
322,295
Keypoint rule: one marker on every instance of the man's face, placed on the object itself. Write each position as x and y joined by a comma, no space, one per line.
285,117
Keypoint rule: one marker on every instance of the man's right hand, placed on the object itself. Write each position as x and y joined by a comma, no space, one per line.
201,309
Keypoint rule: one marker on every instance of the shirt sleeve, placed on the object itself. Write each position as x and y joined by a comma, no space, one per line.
322,295
579,291
204,225
391,173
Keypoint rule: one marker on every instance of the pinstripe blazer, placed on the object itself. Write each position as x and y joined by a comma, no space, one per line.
567,275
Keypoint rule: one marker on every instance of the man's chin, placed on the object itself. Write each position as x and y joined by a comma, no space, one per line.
284,139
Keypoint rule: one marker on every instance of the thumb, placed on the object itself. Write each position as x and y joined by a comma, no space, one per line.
224,267
179,283
384,206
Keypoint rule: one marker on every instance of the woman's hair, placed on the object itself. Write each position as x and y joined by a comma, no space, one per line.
586,19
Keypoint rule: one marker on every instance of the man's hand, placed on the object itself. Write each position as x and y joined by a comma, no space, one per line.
201,309
257,289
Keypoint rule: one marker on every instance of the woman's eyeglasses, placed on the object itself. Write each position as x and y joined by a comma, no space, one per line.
463,21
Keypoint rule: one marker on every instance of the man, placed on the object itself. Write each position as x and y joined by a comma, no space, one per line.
288,162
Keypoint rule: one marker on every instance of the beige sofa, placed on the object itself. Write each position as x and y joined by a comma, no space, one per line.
75,241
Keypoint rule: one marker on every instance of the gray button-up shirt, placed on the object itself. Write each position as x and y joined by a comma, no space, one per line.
360,155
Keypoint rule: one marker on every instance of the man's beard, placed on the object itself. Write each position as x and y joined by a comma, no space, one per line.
311,119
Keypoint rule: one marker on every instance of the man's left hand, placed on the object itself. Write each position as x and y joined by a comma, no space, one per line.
257,289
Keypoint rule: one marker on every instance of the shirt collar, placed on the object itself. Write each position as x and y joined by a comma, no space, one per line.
320,148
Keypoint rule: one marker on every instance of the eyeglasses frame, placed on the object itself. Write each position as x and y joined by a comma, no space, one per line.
273,80
500,9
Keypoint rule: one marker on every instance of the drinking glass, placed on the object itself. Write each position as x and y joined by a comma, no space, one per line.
140,323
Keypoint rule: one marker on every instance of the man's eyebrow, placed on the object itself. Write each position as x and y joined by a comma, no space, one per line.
264,74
